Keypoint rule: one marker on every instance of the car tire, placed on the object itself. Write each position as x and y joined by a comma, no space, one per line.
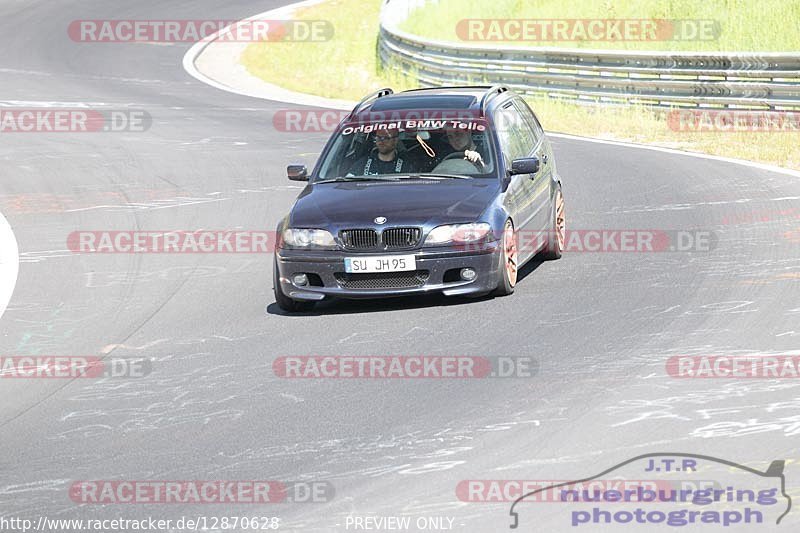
558,232
290,305
509,261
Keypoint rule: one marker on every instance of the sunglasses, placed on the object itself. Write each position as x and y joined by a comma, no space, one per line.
379,139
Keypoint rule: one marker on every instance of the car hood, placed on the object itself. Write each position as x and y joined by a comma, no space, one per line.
414,203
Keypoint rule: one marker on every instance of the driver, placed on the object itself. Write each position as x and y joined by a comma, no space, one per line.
384,159
460,140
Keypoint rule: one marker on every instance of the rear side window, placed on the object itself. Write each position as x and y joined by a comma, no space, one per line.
538,125
517,139
530,119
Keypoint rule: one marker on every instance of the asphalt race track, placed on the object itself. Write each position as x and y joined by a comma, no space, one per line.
600,325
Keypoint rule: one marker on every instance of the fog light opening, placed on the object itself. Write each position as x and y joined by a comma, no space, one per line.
301,280
468,274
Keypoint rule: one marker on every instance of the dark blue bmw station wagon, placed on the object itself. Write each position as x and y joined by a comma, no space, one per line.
419,192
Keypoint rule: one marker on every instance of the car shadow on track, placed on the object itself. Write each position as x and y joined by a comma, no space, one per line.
346,307
528,268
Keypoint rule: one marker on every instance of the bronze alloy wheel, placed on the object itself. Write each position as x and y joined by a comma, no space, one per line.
557,237
510,256
507,268
561,221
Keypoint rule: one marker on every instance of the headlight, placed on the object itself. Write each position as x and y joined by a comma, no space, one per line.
308,238
458,233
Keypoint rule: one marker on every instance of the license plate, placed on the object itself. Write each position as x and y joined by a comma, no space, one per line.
380,263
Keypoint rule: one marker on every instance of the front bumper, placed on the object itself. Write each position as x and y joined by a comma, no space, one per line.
437,264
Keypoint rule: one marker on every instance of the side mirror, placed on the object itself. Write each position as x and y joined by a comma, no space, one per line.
297,172
525,165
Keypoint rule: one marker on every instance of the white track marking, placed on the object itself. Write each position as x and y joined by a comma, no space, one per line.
9,263
257,87
752,164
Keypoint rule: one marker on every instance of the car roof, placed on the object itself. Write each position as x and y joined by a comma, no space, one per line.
462,98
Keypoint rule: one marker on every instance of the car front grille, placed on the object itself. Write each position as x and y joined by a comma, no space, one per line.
390,239
359,239
382,280
400,237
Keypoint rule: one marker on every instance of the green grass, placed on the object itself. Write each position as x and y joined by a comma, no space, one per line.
746,25
347,68
344,67
647,126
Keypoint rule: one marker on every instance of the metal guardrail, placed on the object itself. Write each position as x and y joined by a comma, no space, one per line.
714,80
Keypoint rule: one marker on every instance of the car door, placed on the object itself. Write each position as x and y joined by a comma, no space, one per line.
518,141
518,199
542,181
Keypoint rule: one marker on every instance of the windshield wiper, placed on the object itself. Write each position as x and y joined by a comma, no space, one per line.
395,177
437,176
356,178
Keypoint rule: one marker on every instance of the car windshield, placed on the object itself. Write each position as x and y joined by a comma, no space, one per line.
436,148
